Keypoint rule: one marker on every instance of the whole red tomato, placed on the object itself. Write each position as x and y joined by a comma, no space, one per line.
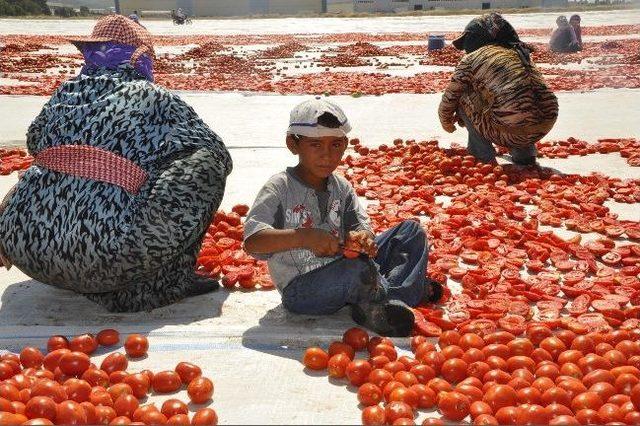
315,358
341,348
337,365
200,390
46,387
369,394
117,376
125,405
357,338
70,413
358,371
119,389
499,396
172,407
374,416
77,390
85,343
96,377
104,414
453,405
136,345
31,357
74,363
635,396
166,382
41,407
121,420
90,411
188,372
398,410
205,417
179,419
114,362
154,417
108,337
6,371
57,342
142,411
52,360
139,383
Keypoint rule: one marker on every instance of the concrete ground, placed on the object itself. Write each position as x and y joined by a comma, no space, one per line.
246,342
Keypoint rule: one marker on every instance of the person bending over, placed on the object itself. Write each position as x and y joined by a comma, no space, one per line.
497,93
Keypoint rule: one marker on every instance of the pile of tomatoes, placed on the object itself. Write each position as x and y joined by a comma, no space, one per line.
63,386
204,68
287,50
342,60
491,377
361,48
628,148
205,50
13,160
485,239
448,56
222,255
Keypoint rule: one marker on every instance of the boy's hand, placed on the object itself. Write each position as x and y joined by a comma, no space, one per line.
320,242
361,241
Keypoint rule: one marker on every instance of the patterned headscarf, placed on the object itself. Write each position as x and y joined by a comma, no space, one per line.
116,40
562,21
111,55
491,28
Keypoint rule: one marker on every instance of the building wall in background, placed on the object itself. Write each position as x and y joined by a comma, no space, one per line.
342,6
227,7
128,6
473,4
389,6
373,6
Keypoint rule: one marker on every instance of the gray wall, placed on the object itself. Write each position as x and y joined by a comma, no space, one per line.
397,6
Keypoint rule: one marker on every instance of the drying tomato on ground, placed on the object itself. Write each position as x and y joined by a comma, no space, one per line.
64,387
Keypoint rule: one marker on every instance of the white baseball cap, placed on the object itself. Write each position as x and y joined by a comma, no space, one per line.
303,120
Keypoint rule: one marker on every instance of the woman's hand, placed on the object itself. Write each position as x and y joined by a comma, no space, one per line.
448,126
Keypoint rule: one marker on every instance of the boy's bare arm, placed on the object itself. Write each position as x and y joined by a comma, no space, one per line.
277,240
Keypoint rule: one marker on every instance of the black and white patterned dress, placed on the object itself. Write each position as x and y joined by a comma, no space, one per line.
126,252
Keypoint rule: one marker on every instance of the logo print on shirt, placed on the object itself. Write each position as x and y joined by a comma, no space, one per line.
334,214
299,216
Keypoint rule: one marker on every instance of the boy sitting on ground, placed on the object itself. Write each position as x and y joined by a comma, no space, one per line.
303,219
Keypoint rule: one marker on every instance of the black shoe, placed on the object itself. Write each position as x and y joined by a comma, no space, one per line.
201,285
432,291
392,318
371,288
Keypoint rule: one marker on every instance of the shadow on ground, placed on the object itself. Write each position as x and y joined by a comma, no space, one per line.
31,303
286,335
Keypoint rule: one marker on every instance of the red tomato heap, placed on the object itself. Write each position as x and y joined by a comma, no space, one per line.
220,63
64,387
494,377
559,344
13,160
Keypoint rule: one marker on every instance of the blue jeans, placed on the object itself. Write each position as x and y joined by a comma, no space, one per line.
399,267
484,151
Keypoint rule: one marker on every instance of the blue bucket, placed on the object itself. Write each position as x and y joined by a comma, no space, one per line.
436,41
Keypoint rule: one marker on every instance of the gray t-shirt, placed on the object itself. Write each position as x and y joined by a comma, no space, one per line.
286,202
